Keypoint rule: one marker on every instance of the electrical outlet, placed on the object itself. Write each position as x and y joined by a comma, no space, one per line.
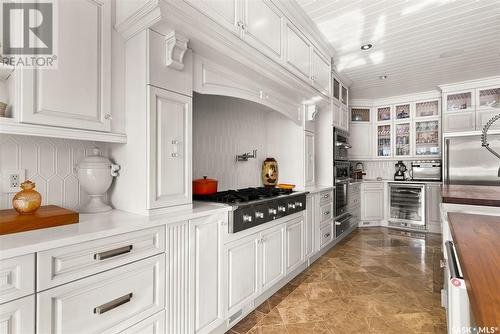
11,180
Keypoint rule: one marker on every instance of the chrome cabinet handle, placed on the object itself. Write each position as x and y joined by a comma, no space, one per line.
113,304
327,235
338,223
108,116
326,213
326,195
175,144
112,253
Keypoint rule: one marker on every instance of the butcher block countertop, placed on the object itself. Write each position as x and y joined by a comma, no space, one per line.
476,238
471,195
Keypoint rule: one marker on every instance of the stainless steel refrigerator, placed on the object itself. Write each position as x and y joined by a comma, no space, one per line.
466,162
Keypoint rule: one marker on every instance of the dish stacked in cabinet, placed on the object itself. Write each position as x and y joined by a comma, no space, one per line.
108,285
327,224
354,202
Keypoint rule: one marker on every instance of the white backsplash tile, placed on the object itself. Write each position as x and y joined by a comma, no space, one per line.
48,162
384,169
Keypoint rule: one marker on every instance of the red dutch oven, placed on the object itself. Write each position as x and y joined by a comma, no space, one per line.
204,186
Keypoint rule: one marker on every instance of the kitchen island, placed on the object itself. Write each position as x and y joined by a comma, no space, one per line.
471,195
476,241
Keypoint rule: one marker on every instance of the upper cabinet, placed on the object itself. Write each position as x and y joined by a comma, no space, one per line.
468,106
262,26
298,51
76,93
320,72
226,13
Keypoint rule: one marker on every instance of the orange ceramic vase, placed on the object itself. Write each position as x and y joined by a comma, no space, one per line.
28,200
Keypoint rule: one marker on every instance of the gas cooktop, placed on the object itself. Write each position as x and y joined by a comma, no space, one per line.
255,206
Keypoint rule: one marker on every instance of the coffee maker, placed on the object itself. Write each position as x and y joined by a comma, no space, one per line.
400,171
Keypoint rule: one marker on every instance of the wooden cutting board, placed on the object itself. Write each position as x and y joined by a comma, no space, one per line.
46,216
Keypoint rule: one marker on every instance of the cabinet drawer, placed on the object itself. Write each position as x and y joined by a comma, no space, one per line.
18,316
62,265
325,211
152,325
325,196
17,277
326,234
373,186
104,303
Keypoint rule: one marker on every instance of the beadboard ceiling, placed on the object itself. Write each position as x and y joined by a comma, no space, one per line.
409,41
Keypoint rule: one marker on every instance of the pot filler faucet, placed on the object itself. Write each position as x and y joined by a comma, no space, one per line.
484,138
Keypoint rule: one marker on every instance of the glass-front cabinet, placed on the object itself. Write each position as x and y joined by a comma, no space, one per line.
459,101
384,142
427,138
336,88
384,114
402,139
359,114
403,111
488,98
427,109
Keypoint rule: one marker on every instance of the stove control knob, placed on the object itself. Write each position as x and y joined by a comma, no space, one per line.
247,218
298,204
291,206
272,211
281,208
259,214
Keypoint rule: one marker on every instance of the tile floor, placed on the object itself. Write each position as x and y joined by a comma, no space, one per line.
375,281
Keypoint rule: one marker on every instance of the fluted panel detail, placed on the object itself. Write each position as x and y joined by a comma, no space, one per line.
178,278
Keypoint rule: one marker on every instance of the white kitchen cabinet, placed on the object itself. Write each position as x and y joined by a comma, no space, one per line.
487,106
207,263
458,122
372,202
309,158
242,261
18,316
17,277
225,13
273,256
361,139
294,243
345,118
77,93
155,324
298,52
310,225
104,303
262,25
484,115
320,72
326,234
433,206
170,147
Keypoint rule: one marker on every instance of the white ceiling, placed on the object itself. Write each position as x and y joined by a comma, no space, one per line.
408,38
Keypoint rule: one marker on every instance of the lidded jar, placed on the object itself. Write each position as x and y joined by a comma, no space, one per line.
95,174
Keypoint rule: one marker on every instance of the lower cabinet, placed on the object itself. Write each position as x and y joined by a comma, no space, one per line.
108,302
433,207
309,225
273,259
242,271
294,244
372,202
152,325
207,267
18,316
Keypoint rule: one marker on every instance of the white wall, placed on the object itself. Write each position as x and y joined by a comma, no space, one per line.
49,163
224,127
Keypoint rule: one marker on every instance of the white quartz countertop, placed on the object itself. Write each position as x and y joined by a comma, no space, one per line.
95,226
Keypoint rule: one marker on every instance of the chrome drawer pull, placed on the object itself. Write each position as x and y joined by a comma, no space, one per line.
112,253
326,195
113,304
326,213
327,235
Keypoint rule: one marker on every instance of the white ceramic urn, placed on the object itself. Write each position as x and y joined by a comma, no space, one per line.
95,174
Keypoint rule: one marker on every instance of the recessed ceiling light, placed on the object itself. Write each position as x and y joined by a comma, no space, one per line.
366,46
382,77
451,53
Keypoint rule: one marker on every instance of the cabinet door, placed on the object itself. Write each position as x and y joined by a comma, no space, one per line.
402,140
242,272
484,115
152,325
225,13
309,157
361,137
336,114
309,226
273,256
320,72
428,138
170,149
294,244
344,124
208,267
372,205
263,26
433,195
298,51
458,122
18,316
77,93
384,141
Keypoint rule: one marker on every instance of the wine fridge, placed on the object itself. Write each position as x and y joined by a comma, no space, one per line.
407,206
